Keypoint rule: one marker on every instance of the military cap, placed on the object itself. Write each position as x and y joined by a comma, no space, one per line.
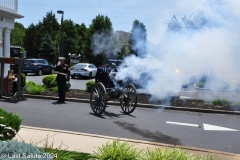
61,58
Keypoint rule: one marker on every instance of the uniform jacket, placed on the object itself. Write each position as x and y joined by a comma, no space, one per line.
63,69
102,75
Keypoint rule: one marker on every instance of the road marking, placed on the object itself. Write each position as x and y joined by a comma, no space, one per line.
209,127
183,124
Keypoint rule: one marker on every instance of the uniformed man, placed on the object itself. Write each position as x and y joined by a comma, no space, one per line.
63,77
102,75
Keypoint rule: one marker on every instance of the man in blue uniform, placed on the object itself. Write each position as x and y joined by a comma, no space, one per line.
63,77
102,75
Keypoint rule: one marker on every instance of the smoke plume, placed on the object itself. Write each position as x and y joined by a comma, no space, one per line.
205,43
105,43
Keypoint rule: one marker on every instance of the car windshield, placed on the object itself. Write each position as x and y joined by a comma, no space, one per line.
81,65
29,61
117,62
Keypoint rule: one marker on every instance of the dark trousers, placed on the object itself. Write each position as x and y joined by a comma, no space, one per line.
14,89
61,91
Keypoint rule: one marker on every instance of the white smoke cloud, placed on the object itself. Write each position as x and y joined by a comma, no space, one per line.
208,46
105,43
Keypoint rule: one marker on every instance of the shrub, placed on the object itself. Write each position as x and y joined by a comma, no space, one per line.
48,79
25,151
117,150
30,83
36,90
176,153
68,86
55,89
63,154
9,124
201,84
53,83
23,80
89,86
221,102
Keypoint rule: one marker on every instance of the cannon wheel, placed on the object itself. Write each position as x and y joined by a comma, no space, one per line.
98,98
129,100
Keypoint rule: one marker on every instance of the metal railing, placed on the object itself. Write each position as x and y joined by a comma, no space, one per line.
9,5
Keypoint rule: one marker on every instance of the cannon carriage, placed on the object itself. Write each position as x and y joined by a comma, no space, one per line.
125,93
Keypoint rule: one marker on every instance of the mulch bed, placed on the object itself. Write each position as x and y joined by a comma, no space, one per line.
145,99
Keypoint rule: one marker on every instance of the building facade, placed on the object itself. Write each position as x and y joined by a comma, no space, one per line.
8,14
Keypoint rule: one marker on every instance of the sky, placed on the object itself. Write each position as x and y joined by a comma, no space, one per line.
153,13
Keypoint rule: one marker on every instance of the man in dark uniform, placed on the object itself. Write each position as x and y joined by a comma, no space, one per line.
102,75
63,76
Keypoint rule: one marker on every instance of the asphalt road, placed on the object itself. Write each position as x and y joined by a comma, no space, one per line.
194,129
78,83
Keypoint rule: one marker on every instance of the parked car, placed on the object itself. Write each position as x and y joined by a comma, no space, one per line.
38,66
115,61
83,70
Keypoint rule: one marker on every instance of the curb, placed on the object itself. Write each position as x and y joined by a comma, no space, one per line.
141,105
135,141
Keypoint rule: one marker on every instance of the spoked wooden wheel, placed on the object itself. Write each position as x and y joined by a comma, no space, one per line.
129,98
98,98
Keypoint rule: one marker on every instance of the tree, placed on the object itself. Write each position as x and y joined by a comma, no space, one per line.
46,49
138,39
50,24
70,35
82,32
191,23
17,35
34,34
32,39
122,53
99,25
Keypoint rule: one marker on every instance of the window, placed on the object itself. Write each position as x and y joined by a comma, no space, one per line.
41,61
46,62
29,61
94,66
81,65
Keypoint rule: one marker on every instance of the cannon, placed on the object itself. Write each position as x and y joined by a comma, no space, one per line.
126,94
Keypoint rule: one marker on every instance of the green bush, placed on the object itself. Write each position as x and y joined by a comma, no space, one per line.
68,86
9,124
53,83
48,79
201,84
13,148
30,83
63,154
89,86
36,90
221,102
55,89
171,154
23,80
117,150
50,82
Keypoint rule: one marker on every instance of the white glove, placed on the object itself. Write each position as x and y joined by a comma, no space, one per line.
58,63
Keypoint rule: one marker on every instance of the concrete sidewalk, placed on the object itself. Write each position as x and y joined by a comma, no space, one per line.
82,142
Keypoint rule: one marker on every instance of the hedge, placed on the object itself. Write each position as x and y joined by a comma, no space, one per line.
9,124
